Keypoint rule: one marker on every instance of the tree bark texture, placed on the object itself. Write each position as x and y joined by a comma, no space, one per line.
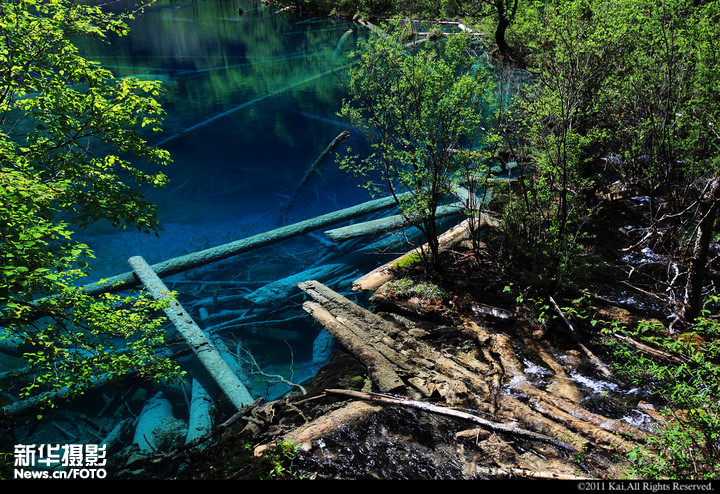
404,357
705,229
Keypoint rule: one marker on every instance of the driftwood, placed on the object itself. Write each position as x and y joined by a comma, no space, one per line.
156,414
183,450
468,203
305,435
653,353
381,275
566,417
381,370
200,420
334,313
27,405
494,426
497,473
201,345
487,379
21,407
342,41
282,289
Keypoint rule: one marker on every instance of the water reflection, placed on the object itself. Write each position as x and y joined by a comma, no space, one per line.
251,101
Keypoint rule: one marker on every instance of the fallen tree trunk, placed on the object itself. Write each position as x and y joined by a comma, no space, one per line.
384,225
200,420
55,397
382,371
282,289
185,449
381,275
156,412
304,436
201,345
183,263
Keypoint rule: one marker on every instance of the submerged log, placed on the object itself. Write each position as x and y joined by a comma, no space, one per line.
201,345
200,420
283,288
190,261
156,412
247,104
383,225
316,164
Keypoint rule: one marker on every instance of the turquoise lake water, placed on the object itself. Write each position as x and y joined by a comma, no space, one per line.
251,103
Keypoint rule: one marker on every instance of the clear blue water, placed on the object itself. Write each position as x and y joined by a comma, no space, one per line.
251,102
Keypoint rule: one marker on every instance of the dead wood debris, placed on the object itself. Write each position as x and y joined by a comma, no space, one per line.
463,369
471,367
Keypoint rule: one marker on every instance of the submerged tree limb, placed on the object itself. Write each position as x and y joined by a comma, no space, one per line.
314,167
196,259
246,104
384,225
201,345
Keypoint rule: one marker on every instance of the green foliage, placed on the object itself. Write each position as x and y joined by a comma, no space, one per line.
666,100
68,133
417,104
280,462
408,261
277,462
561,114
687,443
375,8
636,81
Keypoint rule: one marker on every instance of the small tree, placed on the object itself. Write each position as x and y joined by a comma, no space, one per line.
68,131
562,116
417,105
